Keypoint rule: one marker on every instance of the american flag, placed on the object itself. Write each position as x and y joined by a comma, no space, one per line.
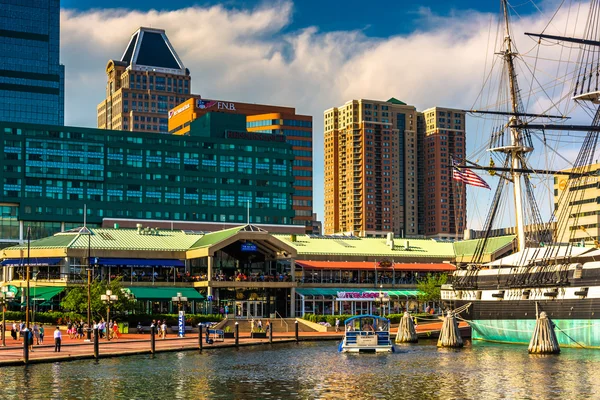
467,176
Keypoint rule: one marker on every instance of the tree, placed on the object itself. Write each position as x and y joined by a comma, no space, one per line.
430,287
76,298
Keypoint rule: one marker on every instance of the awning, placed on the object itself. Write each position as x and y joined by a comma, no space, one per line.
34,262
372,265
163,293
139,262
333,292
41,293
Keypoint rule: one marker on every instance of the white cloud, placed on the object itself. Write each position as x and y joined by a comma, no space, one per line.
246,55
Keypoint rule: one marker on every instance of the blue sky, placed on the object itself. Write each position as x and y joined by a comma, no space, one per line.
311,55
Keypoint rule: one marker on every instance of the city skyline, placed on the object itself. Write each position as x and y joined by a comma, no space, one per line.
268,54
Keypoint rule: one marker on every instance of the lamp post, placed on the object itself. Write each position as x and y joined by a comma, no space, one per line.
382,299
179,299
5,294
108,298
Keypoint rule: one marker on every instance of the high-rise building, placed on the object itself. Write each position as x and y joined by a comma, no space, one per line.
578,213
444,199
387,169
32,81
144,84
264,119
371,171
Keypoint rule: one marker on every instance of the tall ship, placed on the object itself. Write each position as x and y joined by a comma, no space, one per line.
554,266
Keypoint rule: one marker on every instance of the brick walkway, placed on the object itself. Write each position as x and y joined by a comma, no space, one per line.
129,344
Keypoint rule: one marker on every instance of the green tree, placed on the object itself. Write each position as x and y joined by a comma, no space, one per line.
76,298
430,287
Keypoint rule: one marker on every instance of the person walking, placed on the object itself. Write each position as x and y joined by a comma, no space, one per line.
57,339
268,327
41,333
36,333
163,329
337,324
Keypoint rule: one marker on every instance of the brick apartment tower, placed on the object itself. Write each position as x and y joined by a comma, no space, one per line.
371,168
444,199
144,84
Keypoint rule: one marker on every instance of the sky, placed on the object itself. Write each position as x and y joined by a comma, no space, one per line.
305,54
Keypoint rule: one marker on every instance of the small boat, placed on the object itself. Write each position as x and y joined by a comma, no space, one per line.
367,334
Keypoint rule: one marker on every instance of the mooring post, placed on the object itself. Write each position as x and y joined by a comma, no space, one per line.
270,332
406,330
96,344
544,339
296,328
450,334
25,345
200,336
152,339
237,334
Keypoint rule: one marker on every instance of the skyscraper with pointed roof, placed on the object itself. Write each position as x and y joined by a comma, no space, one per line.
144,84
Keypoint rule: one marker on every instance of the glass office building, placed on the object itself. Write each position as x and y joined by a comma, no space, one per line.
31,78
49,172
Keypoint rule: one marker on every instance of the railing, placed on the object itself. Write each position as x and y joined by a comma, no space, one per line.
283,321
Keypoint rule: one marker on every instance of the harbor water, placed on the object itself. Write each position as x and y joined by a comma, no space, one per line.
316,371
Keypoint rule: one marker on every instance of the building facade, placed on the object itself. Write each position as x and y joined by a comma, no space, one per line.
220,173
144,84
577,210
387,169
263,119
371,169
444,199
31,77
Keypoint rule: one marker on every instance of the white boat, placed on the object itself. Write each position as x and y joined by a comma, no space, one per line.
367,334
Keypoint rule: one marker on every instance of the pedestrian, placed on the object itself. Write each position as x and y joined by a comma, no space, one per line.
337,324
41,333
36,333
57,339
13,332
115,330
252,325
226,311
267,327
163,329
260,325
153,327
29,339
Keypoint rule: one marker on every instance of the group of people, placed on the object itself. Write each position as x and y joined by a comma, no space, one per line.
259,326
109,330
37,333
159,327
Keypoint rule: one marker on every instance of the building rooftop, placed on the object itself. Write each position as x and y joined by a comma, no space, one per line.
150,47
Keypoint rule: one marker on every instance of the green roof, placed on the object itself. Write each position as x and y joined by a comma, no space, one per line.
41,293
467,247
357,246
394,100
333,291
163,293
215,237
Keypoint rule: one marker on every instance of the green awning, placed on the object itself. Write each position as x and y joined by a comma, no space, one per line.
334,291
40,293
163,293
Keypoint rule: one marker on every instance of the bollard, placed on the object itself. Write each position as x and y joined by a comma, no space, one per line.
152,339
406,330
200,336
96,344
88,334
237,334
25,346
270,332
296,331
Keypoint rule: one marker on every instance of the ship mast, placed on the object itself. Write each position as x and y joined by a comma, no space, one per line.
516,149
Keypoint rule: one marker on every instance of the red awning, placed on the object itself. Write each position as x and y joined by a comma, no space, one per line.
373,265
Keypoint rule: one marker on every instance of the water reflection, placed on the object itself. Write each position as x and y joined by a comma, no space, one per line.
315,370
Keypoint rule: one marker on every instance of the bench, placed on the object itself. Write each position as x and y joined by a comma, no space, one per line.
217,335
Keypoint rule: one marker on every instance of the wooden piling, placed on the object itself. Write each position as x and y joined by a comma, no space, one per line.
544,339
406,330
450,334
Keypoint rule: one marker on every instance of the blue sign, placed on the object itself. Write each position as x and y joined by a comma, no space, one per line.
248,247
181,325
210,298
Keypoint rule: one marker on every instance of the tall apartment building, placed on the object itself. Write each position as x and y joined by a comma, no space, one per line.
32,81
144,84
583,223
264,119
371,168
444,199
386,169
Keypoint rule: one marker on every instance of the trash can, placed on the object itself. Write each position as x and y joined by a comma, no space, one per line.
272,315
123,327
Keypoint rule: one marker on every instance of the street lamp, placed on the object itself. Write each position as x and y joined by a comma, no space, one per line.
5,294
108,298
382,299
179,299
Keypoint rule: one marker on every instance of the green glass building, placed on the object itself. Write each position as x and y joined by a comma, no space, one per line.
48,173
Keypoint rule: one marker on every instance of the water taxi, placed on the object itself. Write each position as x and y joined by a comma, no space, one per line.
367,334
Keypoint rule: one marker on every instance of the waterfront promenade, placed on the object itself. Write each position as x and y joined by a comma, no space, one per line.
131,344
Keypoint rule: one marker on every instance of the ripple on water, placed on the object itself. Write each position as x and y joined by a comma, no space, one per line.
315,371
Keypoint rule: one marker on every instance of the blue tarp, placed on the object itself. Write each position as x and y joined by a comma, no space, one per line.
34,262
139,262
